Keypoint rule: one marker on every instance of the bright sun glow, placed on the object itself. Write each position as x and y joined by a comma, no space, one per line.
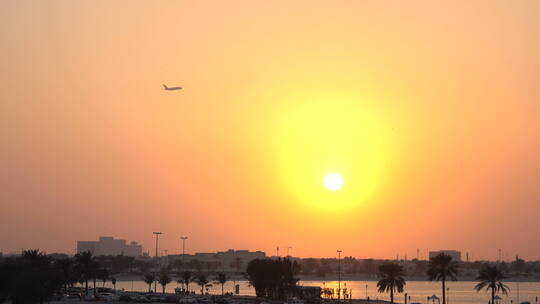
333,182
341,144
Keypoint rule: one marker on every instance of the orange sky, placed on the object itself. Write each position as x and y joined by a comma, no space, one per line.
429,109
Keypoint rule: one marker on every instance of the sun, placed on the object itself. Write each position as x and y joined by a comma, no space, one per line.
333,181
329,156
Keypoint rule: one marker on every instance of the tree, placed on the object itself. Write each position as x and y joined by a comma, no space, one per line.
122,263
187,277
490,277
149,279
164,279
66,266
87,266
272,278
103,275
29,278
143,265
441,268
201,281
222,278
391,279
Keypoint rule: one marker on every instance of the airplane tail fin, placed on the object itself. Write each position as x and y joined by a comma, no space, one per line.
165,87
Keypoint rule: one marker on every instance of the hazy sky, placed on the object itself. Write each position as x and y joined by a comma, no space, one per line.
428,109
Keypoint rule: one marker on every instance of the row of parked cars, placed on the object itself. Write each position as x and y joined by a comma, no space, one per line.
176,298
109,295
77,294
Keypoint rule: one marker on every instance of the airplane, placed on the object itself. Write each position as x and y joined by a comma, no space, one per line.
166,88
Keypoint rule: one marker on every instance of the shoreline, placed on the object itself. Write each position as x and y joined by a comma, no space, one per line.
245,299
344,278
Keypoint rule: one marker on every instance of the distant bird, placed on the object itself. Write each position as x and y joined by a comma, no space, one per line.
166,88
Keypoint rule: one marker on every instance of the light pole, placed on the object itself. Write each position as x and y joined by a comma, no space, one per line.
183,238
366,291
517,292
157,238
339,276
235,266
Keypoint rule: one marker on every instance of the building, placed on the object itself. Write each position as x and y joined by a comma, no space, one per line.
238,259
107,245
230,260
133,249
456,255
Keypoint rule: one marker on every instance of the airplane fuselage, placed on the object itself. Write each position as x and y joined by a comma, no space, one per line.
166,88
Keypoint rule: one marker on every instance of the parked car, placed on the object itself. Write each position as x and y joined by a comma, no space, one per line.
187,300
71,298
108,296
142,299
294,301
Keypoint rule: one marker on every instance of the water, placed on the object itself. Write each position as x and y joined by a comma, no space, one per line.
459,292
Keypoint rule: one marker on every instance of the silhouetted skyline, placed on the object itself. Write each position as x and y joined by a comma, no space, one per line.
372,127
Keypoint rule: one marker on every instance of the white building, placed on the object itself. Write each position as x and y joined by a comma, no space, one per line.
456,255
107,245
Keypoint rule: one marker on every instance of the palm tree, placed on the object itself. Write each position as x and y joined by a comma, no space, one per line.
103,275
164,279
490,277
149,279
441,268
66,266
113,282
187,277
392,279
222,278
201,281
87,266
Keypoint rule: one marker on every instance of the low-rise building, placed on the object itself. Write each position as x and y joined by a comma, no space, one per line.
107,245
456,255
230,260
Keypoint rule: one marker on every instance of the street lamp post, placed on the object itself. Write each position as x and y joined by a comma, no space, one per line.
366,292
517,292
235,266
183,238
339,275
157,234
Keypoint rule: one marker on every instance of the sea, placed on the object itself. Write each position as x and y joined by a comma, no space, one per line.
461,292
